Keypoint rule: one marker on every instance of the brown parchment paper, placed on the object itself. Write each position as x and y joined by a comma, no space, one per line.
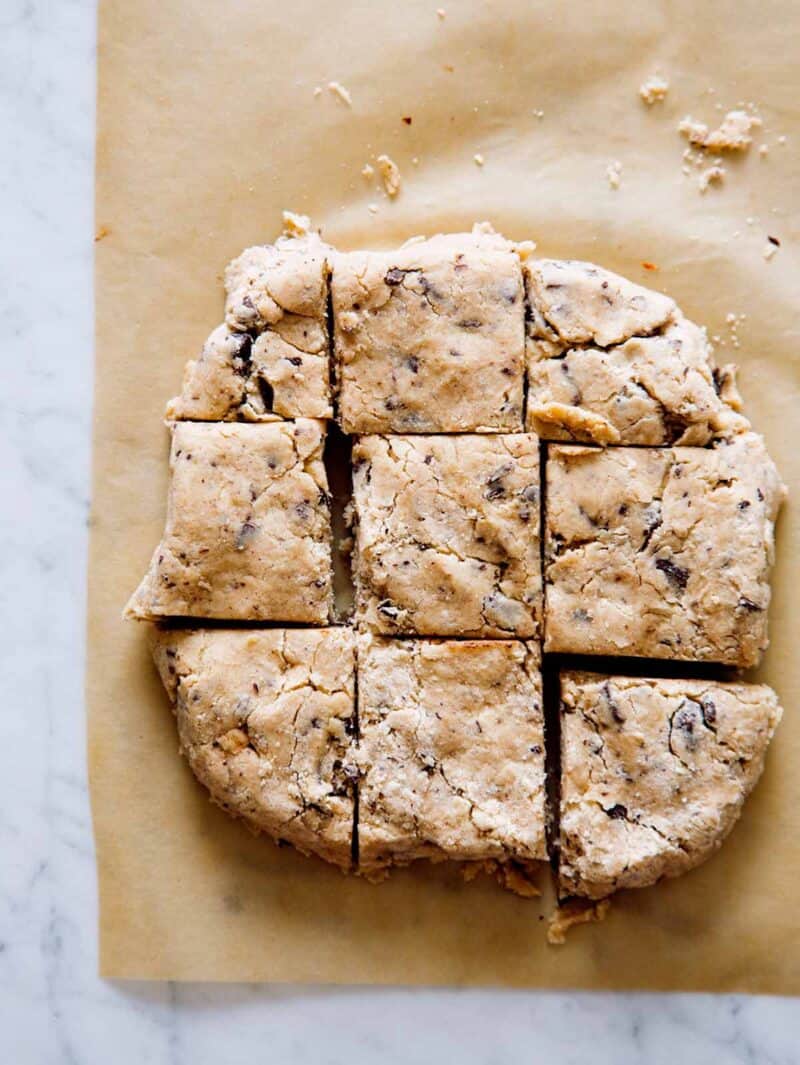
208,127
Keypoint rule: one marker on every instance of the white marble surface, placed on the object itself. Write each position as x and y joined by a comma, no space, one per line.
53,1008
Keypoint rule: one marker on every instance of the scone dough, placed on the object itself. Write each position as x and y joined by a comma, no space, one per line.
266,720
270,359
430,338
447,534
661,552
654,774
611,362
451,751
248,533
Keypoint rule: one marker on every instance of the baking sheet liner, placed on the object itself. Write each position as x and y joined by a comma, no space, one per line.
208,127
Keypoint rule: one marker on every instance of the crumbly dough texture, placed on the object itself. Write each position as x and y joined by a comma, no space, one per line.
611,362
654,774
451,746
270,359
248,533
266,720
661,553
430,338
447,534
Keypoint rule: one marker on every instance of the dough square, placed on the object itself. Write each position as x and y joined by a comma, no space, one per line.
270,359
430,338
447,534
660,552
654,774
612,362
266,720
248,530
451,751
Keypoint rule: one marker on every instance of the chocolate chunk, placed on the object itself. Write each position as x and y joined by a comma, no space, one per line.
246,534
676,575
687,720
612,704
709,711
748,604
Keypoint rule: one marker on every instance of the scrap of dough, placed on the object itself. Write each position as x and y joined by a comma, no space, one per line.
614,174
712,175
571,913
340,92
248,533
296,225
390,174
447,534
654,89
451,748
266,719
661,552
429,338
654,774
733,134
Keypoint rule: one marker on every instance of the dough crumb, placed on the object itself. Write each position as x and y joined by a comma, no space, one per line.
695,132
781,139
296,225
654,89
733,321
517,879
338,90
539,114
574,912
763,150
479,160
372,208
440,11
390,175
770,250
367,171
512,876
712,175
614,173
733,134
